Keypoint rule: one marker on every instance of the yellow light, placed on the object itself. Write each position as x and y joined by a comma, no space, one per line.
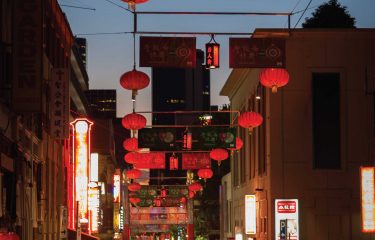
368,199
93,205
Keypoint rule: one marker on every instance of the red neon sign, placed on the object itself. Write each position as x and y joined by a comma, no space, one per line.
212,55
81,153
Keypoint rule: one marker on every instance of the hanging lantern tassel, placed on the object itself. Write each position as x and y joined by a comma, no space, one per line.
274,89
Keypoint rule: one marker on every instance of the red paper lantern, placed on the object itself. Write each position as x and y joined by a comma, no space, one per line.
132,3
157,202
195,187
134,80
219,154
163,192
250,120
130,144
191,194
133,173
9,236
132,157
133,121
205,173
183,200
274,78
134,200
134,187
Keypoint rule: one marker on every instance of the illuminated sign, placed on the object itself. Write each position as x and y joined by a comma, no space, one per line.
93,206
368,199
250,214
94,167
116,188
81,153
212,55
286,219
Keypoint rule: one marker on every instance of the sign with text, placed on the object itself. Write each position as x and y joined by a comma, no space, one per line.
27,56
286,219
60,103
179,52
150,160
256,52
171,139
63,222
192,161
250,214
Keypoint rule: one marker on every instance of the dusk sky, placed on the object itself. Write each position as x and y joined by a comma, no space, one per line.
109,56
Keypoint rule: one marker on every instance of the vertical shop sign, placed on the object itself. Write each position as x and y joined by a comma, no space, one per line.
27,56
286,219
60,103
250,214
368,199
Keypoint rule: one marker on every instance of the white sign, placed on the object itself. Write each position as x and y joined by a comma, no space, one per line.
368,199
286,219
250,214
63,222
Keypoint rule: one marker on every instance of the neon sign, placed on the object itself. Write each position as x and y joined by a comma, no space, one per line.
368,199
81,153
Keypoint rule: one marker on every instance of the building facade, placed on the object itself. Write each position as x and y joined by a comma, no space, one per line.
316,134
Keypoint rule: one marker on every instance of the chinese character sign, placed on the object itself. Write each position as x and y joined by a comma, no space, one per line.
286,219
368,199
60,103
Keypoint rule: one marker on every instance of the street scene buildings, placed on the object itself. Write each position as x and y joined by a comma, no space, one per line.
289,156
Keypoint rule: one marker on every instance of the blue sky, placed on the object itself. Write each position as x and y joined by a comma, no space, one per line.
109,56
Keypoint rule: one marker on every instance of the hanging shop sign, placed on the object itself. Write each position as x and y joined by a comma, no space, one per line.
60,103
179,52
368,199
172,139
194,161
250,214
150,160
256,52
286,219
27,56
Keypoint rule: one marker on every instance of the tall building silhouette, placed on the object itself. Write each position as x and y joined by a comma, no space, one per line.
178,89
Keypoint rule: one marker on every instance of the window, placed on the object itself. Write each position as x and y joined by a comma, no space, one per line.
326,120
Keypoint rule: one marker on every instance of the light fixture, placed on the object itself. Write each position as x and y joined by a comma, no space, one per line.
212,54
187,139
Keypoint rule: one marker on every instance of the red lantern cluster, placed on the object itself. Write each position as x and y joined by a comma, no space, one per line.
205,173
132,157
134,187
133,121
274,78
133,173
134,200
250,120
130,144
219,154
195,187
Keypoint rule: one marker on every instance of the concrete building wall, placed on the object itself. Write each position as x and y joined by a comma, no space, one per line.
329,200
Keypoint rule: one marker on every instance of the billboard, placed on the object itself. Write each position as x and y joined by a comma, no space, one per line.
256,52
286,219
179,52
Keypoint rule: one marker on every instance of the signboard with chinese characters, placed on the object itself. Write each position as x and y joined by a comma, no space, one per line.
179,52
286,219
250,214
63,222
60,103
158,215
256,52
192,161
171,139
368,199
155,160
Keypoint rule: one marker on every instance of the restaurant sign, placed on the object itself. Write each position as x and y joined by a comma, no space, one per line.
256,52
